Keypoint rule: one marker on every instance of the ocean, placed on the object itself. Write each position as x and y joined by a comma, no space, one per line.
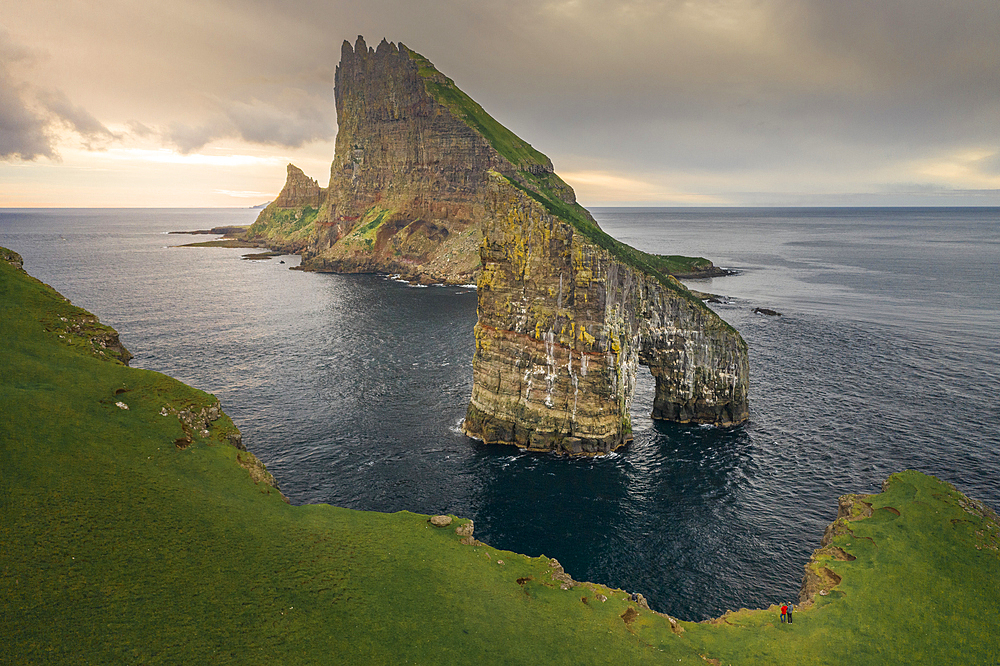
351,388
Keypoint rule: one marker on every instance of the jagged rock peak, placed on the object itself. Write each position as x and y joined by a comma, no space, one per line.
299,190
360,58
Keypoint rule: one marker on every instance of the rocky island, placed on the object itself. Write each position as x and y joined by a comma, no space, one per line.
427,185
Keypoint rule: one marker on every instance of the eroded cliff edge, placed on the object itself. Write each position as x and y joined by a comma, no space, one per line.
564,324
425,184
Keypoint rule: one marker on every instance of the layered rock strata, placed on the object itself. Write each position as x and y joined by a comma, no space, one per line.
427,185
563,326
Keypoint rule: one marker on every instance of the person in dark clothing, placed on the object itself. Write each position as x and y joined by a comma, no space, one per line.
789,612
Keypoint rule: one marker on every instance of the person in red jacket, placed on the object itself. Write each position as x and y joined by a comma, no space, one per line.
784,612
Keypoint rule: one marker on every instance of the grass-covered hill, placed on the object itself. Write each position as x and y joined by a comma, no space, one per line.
134,531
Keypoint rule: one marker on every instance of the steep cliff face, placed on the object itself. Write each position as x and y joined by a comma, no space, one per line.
427,185
406,181
563,325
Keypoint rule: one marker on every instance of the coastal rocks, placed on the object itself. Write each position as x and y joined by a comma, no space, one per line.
440,521
563,326
109,343
12,258
465,531
199,422
85,328
819,579
258,471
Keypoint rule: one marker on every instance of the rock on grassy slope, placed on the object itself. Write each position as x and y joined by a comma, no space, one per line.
145,535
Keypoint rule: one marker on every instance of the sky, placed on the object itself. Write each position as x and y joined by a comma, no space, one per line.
120,103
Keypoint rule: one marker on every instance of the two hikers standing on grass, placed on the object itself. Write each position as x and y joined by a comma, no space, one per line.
786,613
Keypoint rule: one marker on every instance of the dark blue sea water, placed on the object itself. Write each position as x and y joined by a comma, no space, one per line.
351,388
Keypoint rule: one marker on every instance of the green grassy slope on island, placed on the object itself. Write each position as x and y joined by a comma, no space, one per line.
119,546
535,178
286,228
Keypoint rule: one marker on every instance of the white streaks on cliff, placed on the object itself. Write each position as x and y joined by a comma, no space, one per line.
550,362
575,380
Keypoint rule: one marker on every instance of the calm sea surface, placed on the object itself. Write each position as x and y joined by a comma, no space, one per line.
351,388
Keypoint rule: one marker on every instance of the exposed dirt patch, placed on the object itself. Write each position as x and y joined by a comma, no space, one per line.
387,230
583,599
522,581
891,510
182,442
629,615
841,554
819,579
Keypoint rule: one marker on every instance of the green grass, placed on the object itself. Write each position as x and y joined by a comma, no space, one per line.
116,546
373,224
924,589
284,224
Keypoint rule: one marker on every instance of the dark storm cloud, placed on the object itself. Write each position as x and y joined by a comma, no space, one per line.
27,114
23,130
299,120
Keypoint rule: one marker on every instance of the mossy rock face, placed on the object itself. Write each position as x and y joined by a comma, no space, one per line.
564,325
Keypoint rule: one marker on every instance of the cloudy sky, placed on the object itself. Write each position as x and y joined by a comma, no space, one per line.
637,102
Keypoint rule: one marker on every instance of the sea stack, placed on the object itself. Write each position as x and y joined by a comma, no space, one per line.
565,319
425,184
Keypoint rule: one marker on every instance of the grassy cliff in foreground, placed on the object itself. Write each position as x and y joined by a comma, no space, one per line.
127,536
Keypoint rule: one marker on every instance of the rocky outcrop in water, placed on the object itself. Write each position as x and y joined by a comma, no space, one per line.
425,184
563,325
